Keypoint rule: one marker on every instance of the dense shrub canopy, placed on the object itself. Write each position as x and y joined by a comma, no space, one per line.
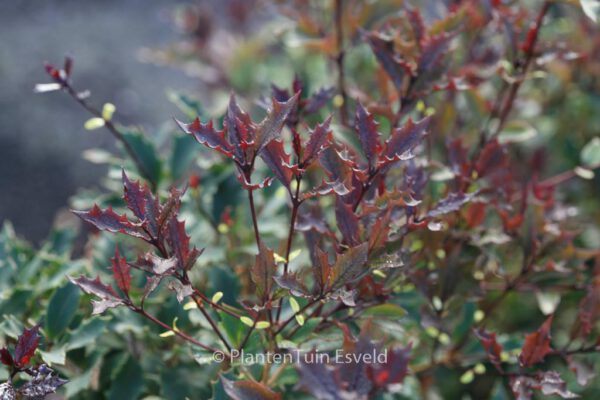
410,215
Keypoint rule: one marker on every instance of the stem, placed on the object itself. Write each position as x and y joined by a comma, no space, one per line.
254,219
215,305
295,207
114,131
339,59
300,311
514,86
176,332
212,323
250,330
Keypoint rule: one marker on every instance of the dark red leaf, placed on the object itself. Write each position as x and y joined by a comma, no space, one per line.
589,309
367,129
403,140
108,220
263,271
240,129
320,138
135,196
169,209
394,370
270,127
452,203
121,272
207,135
492,157
292,283
395,67
278,161
347,222
107,295
349,266
6,358
317,379
179,241
338,168
26,346
319,99
536,345
432,51
491,346
248,390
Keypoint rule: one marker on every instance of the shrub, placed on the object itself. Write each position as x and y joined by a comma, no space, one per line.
392,225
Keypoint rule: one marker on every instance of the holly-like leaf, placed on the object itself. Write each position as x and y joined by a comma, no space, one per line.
170,208
394,66
367,129
318,380
181,290
248,390
318,100
207,135
270,127
159,265
548,382
108,220
338,168
179,241
107,295
44,382
492,158
350,266
319,139
292,283
263,270
278,161
536,345
432,51
394,370
240,129
403,140
121,273
7,391
452,203
491,346
135,196
26,345
347,222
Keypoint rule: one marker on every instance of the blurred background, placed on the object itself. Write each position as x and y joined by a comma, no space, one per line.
42,135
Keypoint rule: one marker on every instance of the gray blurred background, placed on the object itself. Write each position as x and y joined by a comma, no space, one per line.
42,135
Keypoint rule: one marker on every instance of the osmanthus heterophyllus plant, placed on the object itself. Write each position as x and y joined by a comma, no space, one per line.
420,220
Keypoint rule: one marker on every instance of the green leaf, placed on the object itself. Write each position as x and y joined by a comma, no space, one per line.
185,151
62,309
86,333
590,154
145,152
58,356
387,310
591,8
128,381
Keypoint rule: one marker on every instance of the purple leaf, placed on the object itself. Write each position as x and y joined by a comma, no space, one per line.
262,272
404,140
181,291
121,272
347,222
207,135
107,295
395,67
452,203
108,220
366,128
278,161
135,196
270,127
318,379
240,129
350,266
180,244
292,283
319,99
26,345
44,382
320,138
